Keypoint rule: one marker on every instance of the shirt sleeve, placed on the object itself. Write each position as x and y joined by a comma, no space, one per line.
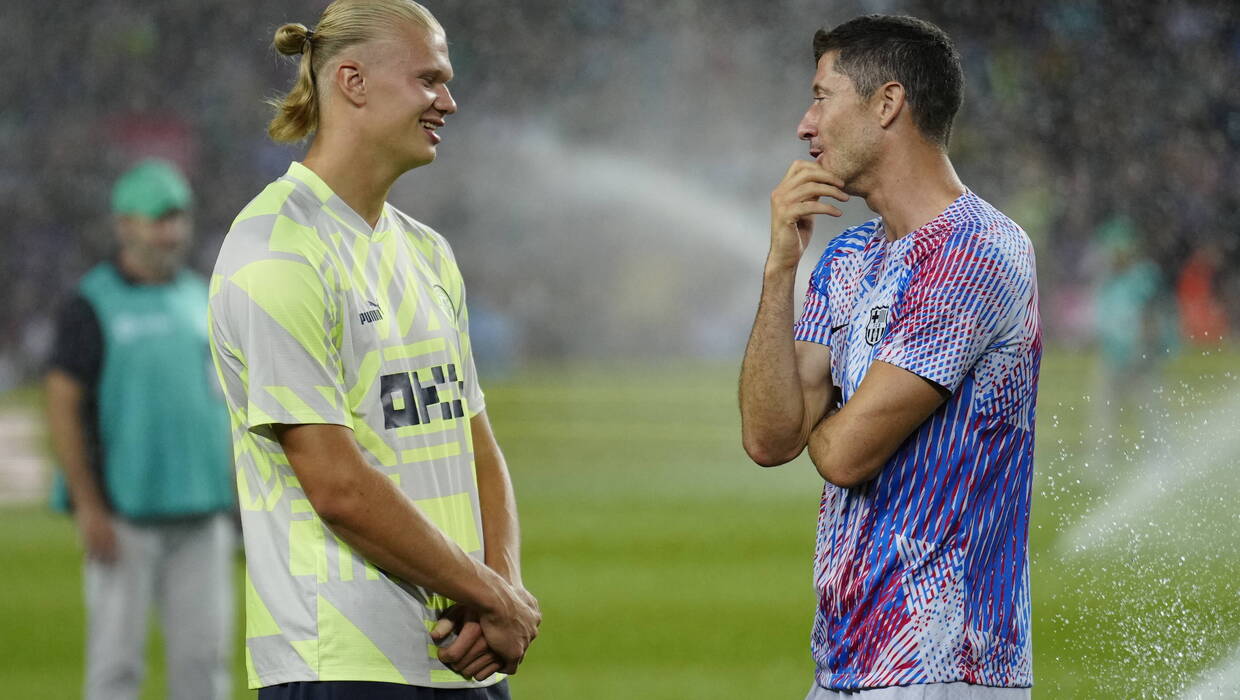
818,315
77,348
954,307
276,327
814,325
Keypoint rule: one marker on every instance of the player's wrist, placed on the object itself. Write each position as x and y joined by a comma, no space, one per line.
493,595
778,265
506,565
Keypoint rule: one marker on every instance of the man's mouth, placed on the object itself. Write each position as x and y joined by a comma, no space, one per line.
429,126
815,153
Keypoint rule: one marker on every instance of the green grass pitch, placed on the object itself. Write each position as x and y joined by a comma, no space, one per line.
668,566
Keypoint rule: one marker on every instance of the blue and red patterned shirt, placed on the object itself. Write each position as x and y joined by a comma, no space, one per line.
923,572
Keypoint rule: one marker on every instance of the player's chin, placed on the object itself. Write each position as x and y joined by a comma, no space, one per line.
424,156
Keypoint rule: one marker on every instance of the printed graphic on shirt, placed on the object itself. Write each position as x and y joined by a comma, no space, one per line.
371,314
410,399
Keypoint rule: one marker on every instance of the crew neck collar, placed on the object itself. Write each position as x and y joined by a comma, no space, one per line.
940,223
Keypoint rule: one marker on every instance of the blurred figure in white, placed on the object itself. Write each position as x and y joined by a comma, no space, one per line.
139,425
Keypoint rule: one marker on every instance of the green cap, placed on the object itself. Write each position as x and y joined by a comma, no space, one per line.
152,188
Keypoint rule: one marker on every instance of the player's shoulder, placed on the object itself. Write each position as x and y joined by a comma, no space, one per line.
282,197
282,220
984,242
416,228
974,218
848,244
422,234
853,239
981,229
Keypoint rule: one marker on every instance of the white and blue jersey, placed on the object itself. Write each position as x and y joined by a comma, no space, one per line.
922,573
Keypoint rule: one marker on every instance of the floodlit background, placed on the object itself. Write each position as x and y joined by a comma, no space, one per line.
605,187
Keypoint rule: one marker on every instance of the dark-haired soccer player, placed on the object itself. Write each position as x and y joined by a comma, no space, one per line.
911,377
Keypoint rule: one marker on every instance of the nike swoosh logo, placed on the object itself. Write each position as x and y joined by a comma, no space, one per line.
839,327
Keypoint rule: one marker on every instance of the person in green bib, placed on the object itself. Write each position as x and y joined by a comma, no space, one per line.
139,425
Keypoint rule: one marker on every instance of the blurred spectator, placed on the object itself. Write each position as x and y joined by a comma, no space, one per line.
138,423
1202,316
1136,330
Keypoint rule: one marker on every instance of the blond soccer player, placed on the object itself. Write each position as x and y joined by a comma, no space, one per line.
379,519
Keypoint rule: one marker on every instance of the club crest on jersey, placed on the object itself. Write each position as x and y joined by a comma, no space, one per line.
876,325
445,301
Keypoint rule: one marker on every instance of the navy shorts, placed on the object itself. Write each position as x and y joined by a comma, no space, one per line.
370,690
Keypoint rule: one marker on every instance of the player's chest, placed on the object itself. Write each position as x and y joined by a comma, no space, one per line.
399,310
862,319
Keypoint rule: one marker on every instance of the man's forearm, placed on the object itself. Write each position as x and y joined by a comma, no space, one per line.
501,534
851,446
500,530
386,528
824,453
68,438
772,403
366,510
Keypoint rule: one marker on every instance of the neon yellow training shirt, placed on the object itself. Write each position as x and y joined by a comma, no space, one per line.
315,318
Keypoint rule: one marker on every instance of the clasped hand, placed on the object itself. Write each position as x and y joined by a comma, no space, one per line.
487,644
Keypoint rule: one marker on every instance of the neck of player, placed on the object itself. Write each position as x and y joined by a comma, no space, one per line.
358,174
914,185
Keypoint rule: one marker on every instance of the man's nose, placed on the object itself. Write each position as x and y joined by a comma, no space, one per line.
806,129
444,103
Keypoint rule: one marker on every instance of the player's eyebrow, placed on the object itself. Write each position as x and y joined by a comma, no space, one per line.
437,74
820,89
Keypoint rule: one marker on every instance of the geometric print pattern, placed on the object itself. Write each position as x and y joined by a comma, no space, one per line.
922,573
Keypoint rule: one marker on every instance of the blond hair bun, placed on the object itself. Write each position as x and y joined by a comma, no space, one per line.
290,39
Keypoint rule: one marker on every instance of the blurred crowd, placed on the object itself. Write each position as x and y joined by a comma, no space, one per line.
1078,114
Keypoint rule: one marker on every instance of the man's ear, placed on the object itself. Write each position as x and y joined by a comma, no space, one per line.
890,102
348,79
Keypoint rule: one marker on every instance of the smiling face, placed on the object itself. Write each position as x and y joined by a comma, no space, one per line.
842,128
407,95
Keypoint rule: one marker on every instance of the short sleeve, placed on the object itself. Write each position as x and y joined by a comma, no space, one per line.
814,325
955,305
276,330
77,347
830,279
